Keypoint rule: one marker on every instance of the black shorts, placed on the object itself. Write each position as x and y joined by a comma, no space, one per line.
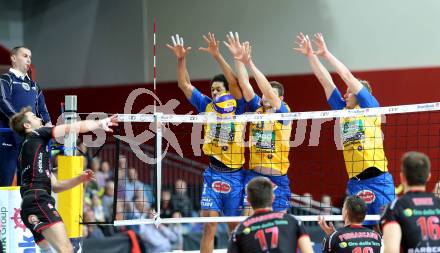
38,212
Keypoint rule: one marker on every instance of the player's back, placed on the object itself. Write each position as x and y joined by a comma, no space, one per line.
418,214
267,231
353,238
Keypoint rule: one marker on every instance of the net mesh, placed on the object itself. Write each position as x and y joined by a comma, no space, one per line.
319,151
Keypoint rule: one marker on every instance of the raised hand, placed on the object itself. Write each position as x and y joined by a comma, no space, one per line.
178,47
304,44
328,229
87,175
109,122
320,44
213,48
246,56
233,44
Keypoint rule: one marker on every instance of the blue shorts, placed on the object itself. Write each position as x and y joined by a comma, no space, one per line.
282,190
9,144
223,192
376,192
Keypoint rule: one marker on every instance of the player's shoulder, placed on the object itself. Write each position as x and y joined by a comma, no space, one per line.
286,105
292,219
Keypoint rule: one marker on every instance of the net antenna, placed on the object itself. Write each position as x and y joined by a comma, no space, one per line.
154,63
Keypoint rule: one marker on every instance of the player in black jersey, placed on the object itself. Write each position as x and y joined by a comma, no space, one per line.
38,206
353,237
266,230
411,223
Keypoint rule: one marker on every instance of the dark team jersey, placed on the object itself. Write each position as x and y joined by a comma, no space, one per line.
418,214
267,231
353,238
34,161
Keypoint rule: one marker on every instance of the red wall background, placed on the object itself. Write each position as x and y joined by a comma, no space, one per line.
318,170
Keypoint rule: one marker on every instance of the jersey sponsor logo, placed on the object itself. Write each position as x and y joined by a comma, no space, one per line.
221,187
6,144
423,201
50,205
408,212
261,218
246,231
206,202
424,249
367,195
343,245
26,86
355,235
40,163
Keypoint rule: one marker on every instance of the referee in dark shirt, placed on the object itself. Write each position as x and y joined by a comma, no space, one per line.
17,90
353,237
266,230
412,222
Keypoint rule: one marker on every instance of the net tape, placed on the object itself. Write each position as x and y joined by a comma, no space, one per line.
211,117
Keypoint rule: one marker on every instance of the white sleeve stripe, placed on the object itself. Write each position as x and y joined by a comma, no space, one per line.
5,100
330,241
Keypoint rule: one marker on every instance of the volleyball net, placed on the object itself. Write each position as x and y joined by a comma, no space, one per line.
161,158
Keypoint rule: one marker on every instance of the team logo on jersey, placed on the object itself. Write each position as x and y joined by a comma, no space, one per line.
408,212
221,187
26,86
50,206
33,219
367,196
48,173
343,245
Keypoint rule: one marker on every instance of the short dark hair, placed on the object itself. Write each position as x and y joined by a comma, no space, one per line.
260,192
416,168
367,85
15,50
278,86
220,78
17,121
356,209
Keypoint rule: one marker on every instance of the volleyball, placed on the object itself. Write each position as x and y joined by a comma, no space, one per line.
225,103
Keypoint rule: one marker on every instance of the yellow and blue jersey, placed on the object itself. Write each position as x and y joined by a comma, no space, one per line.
361,136
269,140
223,141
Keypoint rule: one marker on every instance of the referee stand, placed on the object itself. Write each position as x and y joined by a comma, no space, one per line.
70,202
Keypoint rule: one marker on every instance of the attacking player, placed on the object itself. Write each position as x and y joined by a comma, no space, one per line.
266,230
38,206
411,223
223,143
269,140
364,155
353,237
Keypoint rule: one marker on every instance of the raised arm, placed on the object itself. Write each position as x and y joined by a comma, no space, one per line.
182,72
85,126
59,186
236,50
321,73
214,51
262,82
346,75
